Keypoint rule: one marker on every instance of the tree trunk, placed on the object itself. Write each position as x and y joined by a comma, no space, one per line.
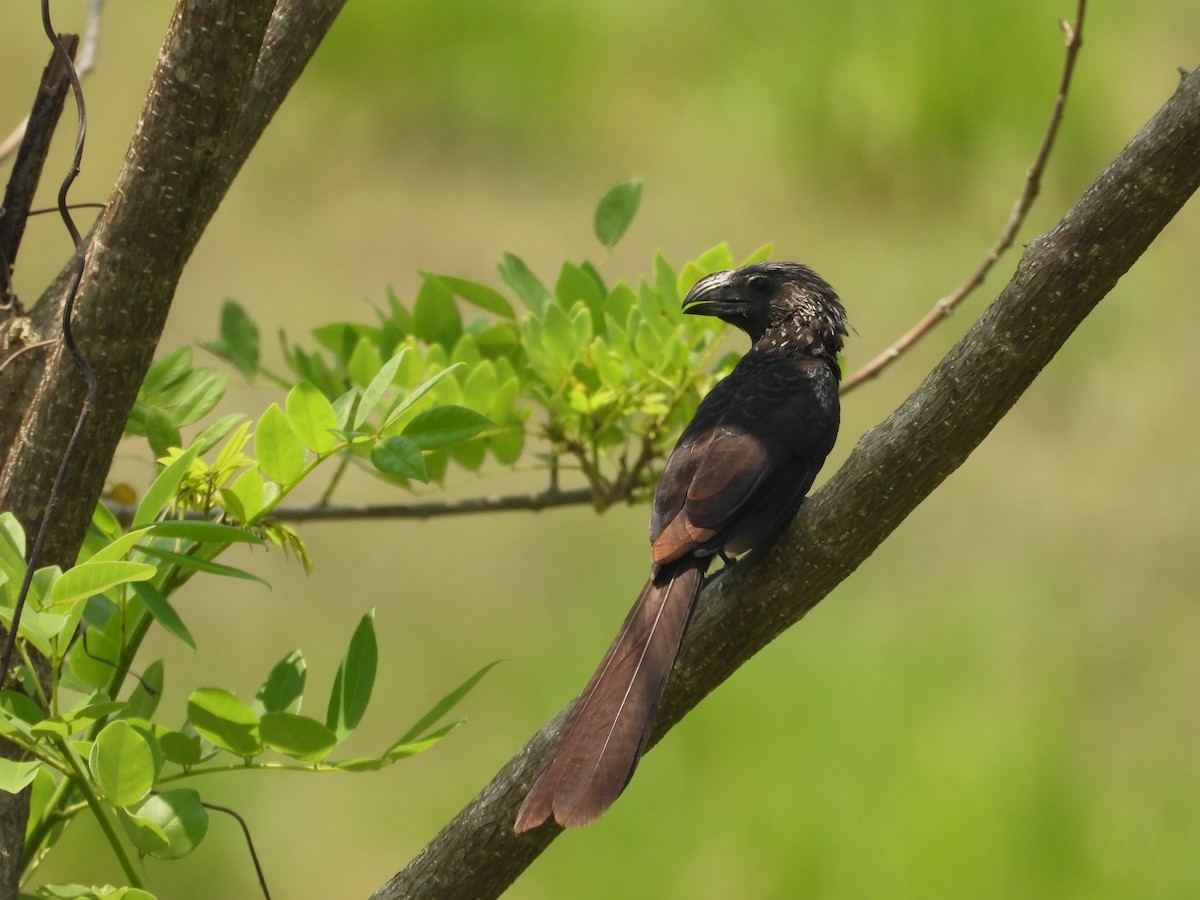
223,71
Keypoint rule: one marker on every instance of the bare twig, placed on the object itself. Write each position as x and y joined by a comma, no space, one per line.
549,499
68,336
1033,182
262,878
83,67
27,170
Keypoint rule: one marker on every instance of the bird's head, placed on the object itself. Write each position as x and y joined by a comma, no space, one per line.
771,295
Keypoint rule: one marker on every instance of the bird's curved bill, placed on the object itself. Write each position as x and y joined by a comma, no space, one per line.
712,295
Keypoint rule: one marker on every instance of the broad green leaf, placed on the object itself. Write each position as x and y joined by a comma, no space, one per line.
179,748
297,736
225,721
312,417
147,691
159,495
558,338
166,370
117,549
12,549
239,339
477,294
198,398
380,385
156,425
616,210
213,434
164,613
90,578
195,563
246,497
419,391
284,688
364,363
524,283
445,425
123,763
444,705
404,749
20,710
399,457
144,834
582,284
16,776
280,453
436,319
355,679
180,818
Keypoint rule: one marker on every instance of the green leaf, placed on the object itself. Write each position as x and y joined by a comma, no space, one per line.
380,384
616,210
311,416
444,705
246,497
16,776
399,457
280,454
213,434
200,395
225,721
404,749
364,362
90,578
239,339
180,817
476,294
436,319
164,613
284,688
179,748
143,699
524,283
195,563
118,548
297,736
355,680
156,425
558,338
166,370
159,495
445,425
416,394
123,763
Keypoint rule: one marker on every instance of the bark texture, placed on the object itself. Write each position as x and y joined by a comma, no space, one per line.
224,68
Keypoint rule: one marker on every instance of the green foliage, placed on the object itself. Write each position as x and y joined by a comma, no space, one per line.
113,752
599,375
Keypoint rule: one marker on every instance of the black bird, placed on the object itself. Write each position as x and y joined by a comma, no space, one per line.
740,471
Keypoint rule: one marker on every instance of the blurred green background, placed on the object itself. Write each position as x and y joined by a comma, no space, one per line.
1004,701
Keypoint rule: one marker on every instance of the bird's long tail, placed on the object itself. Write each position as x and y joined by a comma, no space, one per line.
606,732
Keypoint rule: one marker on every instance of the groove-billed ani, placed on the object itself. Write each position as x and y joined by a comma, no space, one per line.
737,476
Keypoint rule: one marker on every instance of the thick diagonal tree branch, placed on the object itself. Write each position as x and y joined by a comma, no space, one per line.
223,71
897,464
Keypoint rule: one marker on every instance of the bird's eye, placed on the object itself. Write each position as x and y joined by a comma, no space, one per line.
760,284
